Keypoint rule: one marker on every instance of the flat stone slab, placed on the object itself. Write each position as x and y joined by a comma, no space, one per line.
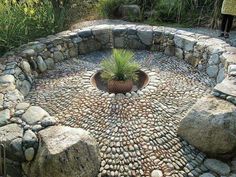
227,86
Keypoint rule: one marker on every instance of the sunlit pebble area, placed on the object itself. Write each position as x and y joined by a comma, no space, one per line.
136,132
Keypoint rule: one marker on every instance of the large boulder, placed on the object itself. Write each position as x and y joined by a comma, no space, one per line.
63,152
131,12
228,87
34,114
217,166
210,126
11,138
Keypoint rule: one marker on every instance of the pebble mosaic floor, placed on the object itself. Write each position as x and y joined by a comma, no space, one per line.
136,132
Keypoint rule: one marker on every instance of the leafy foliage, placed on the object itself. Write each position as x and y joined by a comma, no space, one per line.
21,22
108,8
67,12
186,12
192,12
121,66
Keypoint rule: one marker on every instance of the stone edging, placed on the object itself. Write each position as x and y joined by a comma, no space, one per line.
20,67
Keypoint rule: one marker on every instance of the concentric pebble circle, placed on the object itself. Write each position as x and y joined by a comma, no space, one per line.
136,132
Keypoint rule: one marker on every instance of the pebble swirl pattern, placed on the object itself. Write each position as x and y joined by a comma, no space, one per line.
136,132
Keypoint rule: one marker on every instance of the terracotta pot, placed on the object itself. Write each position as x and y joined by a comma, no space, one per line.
120,86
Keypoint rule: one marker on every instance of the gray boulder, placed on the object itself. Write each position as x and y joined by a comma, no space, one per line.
39,47
227,86
4,117
214,59
232,70
7,82
130,11
26,67
179,53
210,126
15,151
184,42
58,56
221,75
212,71
63,152
217,166
34,114
25,87
102,33
89,45
48,121
11,137
29,154
145,34
207,175
50,63
29,52
41,64
22,106
30,139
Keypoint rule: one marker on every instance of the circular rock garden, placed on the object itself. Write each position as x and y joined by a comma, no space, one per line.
55,114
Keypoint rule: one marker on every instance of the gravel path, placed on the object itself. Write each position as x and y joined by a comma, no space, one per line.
205,31
137,132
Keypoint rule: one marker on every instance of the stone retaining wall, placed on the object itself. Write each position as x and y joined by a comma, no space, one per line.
20,67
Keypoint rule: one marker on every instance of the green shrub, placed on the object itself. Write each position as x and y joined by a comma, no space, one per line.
109,8
67,12
121,66
78,9
183,12
190,12
171,10
22,22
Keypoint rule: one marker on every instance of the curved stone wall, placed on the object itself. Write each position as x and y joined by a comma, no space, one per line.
20,67
209,54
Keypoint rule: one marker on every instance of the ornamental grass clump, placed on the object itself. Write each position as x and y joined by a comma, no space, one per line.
23,21
120,66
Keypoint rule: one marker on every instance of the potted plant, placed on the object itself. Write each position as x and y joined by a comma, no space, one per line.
120,71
